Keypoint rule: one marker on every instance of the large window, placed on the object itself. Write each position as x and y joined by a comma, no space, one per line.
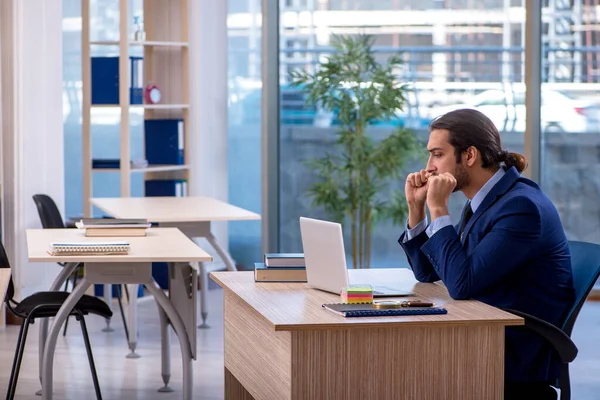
473,57
244,107
570,117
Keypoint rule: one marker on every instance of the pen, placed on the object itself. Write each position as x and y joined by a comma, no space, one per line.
416,304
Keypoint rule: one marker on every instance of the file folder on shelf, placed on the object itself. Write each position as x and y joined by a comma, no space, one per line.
165,187
164,141
105,80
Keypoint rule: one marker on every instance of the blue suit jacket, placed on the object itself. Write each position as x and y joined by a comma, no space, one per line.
514,254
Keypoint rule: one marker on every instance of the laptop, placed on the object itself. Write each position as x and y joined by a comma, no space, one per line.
325,258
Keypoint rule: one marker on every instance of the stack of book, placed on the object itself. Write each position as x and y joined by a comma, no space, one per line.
109,227
281,267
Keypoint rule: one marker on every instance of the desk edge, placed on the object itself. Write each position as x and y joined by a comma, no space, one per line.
514,321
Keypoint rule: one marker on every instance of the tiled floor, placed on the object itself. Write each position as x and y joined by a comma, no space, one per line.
122,378
585,370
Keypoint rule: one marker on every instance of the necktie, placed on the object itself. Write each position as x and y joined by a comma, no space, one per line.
466,217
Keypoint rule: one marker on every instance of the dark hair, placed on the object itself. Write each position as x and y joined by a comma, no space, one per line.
468,128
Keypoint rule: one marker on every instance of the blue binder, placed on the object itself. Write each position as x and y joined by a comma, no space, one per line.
166,187
164,141
105,80
160,273
99,291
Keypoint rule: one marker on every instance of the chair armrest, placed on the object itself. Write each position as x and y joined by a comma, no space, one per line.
562,343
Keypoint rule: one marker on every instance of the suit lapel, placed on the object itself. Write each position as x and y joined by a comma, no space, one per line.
499,189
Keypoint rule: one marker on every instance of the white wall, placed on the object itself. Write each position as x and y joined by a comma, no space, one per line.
32,127
208,97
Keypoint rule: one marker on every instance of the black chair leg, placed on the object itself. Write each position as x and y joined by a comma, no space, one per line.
119,294
74,283
88,349
564,383
14,373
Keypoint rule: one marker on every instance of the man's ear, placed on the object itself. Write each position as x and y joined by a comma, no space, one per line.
471,156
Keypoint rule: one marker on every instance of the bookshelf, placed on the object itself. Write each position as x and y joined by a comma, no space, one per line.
164,51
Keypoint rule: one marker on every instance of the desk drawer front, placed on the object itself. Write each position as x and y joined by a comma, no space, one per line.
255,354
418,363
118,272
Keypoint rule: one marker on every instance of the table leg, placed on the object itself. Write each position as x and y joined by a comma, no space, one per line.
132,319
203,275
229,263
165,341
108,300
50,344
56,285
179,327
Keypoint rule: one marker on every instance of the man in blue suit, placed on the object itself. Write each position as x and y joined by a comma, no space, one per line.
509,249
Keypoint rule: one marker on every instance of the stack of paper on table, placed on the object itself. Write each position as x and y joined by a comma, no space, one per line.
87,248
97,227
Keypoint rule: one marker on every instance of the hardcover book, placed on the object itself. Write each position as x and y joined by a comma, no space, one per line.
284,260
274,274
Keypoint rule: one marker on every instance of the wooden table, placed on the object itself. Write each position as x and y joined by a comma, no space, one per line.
281,344
193,215
160,244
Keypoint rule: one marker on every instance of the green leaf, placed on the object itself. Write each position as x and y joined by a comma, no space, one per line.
353,180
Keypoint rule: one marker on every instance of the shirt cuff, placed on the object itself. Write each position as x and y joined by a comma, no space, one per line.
437,224
416,231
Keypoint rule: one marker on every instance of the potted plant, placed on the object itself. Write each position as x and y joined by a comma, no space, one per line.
353,180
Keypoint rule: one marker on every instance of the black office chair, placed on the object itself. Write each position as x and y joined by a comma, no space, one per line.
51,219
585,261
46,305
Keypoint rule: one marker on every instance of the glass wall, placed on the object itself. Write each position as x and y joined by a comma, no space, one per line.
244,115
473,57
570,116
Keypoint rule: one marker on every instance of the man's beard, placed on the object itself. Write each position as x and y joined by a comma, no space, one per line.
461,176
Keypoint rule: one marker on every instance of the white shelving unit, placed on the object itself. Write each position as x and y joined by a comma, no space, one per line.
165,63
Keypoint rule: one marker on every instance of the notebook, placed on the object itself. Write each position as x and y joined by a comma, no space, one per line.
367,310
87,248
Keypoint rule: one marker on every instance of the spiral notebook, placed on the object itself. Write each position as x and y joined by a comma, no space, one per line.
88,248
367,310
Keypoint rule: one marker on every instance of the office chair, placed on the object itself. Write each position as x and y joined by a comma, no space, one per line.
46,305
585,261
51,219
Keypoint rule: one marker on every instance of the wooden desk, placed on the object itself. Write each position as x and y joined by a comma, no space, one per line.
192,215
173,209
281,344
160,244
